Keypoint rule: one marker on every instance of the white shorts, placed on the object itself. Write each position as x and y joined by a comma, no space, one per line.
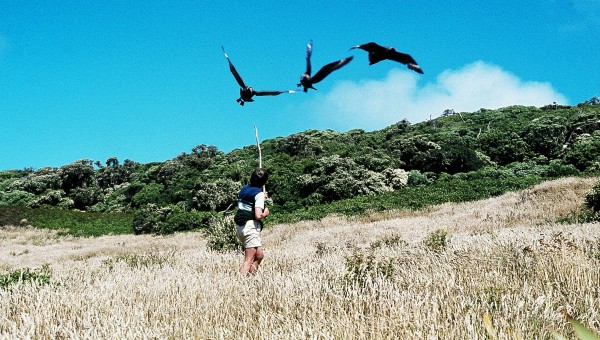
249,234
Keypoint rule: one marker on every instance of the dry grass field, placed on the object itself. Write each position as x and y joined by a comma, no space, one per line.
500,268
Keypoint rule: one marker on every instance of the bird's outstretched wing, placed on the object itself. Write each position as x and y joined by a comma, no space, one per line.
327,69
235,73
370,47
308,54
406,60
272,93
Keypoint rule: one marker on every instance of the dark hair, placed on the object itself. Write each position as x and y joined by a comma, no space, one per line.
259,177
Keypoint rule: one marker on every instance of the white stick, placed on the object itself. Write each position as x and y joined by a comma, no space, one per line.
259,152
258,145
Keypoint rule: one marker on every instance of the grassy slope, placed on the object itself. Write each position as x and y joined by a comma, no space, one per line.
507,260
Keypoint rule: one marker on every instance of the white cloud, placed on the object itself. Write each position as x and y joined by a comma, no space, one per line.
374,104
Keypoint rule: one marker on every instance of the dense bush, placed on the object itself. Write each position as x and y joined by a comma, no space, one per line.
592,199
311,168
150,219
221,234
67,221
215,196
584,151
335,178
16,197
185,220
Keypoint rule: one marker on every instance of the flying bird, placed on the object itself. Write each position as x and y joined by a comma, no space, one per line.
247,92
307,81
378,53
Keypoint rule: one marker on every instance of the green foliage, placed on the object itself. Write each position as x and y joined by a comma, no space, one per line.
152,193
77,174
56,198
583,151
113,200
314,173
503,147
453,190
39,277
389,242
363,267
300,144
592,199
216,196
84,197
16,197
416,178
545,135
395,178
185,220
436,241
150,219
456,154
154,219
38,182
336,178
153,258
222,234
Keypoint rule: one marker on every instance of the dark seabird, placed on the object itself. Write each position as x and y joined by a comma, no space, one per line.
307,81
247,92
378,53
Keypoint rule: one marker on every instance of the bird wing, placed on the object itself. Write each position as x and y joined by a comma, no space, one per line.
404,59
272,93
370,47
308,54
327,69
401,58
235,73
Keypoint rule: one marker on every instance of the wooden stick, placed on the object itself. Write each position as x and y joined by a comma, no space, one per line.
259,152
258,145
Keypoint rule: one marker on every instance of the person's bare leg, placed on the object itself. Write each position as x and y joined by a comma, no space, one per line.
258,257
249,255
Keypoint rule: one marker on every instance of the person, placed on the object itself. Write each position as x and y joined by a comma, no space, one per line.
251,209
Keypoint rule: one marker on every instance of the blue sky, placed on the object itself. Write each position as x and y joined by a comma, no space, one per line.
147,80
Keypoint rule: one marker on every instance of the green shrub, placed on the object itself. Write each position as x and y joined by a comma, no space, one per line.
41,276
216,195
363,267
16,197
152,193
592,199
437,241
153,258
557,168
52,198
150,218
76,223
390,241
416,178
222,234
185,220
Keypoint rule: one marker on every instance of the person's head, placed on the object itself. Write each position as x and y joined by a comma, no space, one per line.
259,177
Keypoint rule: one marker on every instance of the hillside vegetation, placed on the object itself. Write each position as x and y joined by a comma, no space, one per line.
500,267
456,157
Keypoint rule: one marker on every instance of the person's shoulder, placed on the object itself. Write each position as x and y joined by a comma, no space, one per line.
247,189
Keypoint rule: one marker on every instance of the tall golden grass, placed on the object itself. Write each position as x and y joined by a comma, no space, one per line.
508,271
